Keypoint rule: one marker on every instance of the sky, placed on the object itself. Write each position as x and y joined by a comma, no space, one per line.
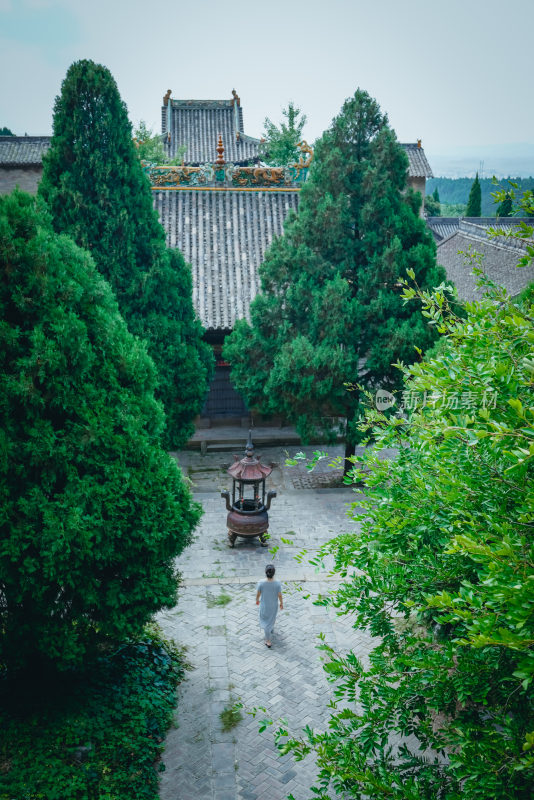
456,74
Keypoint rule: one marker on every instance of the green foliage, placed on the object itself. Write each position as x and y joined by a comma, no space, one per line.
432,206
505,208
455,191
522,204
330,313
474,201
98,734
453,210
6,132
280,146
94,511
442,571
526,296
150,146
95,188
435,195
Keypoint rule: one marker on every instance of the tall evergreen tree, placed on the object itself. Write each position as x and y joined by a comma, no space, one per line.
435,195
330,311
93,509
95,188
505,208
474,202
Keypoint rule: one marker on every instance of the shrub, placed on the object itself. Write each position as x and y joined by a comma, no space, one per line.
93,510
95,734
445,570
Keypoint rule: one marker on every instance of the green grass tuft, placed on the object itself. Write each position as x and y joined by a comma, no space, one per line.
218,600
230,717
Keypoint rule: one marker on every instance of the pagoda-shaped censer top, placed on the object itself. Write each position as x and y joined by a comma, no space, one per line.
249,468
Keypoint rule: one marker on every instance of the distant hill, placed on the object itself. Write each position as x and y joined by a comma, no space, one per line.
456,190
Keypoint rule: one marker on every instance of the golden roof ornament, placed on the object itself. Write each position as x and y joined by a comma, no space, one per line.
167,97
236,97
220,152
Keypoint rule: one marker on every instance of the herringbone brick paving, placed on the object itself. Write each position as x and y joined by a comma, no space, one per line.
229,660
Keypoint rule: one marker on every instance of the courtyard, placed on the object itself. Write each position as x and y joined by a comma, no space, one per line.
216,619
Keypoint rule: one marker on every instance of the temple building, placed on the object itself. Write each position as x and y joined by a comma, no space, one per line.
222,207
21,162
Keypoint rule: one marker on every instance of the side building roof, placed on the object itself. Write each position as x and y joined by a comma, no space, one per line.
443,227
501,255
23,151
418,163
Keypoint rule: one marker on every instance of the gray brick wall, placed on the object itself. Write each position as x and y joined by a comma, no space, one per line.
27,178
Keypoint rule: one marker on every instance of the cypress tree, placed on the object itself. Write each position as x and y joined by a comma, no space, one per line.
93,509
435,195
474,203
330,311
95,188
505,208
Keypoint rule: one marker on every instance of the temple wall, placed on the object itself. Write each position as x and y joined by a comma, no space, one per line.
419,185
26,178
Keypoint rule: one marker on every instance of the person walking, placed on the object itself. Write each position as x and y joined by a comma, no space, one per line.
268,593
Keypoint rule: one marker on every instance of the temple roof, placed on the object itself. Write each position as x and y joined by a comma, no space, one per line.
419,166
224,234
198,125
23,151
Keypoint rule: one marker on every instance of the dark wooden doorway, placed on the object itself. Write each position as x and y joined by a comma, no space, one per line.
223,401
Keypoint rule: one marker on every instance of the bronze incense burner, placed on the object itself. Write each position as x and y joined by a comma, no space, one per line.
247,513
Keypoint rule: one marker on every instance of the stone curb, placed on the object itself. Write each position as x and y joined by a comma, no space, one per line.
240,580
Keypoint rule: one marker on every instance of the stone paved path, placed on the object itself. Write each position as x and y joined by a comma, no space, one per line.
225,646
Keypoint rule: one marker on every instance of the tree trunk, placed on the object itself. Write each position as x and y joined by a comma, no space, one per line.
350,446
350,450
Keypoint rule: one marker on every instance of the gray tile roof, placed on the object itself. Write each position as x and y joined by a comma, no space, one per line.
443,227
419,166
23,151
198,124
500,257
224,235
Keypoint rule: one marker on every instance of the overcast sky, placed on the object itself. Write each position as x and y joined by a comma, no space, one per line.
455,74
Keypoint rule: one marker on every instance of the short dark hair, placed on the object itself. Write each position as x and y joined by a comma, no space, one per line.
270,570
